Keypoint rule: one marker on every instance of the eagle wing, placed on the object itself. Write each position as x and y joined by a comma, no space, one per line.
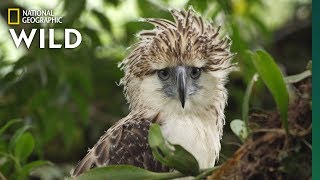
124,143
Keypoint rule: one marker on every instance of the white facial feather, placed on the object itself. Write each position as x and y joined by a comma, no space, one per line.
198,126
198,135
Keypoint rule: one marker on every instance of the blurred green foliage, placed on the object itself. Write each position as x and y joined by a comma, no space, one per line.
70,96
15,151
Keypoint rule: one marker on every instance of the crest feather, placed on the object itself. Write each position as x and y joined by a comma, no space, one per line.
186,41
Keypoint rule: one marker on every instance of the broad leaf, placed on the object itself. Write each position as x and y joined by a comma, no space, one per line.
272,77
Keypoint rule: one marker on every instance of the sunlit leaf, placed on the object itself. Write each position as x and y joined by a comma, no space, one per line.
173,156
272,77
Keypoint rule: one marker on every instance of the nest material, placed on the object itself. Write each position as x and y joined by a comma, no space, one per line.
269,153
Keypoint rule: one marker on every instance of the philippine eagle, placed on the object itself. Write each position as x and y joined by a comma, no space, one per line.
174,76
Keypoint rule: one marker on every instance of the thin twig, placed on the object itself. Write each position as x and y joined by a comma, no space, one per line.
307,144
282,131
269,130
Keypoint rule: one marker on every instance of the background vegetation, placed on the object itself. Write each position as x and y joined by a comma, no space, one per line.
55,103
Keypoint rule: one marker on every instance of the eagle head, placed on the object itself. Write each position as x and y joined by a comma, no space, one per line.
179,66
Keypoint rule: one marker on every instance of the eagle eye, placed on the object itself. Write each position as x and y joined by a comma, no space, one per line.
195,73
163,74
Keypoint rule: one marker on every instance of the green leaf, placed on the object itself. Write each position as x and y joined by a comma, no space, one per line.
238,127
17,135
273,79
30,166
24,146
124,172
8,124
173,156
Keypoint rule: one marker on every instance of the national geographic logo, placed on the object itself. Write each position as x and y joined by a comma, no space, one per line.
15,17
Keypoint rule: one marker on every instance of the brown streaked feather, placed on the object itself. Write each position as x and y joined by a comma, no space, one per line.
124,143
186,40
162,23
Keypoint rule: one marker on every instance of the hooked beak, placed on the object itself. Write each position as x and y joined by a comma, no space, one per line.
181,82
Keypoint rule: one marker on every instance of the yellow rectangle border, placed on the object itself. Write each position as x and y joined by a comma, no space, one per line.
18,16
